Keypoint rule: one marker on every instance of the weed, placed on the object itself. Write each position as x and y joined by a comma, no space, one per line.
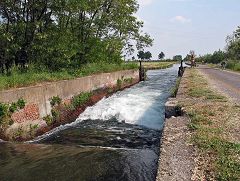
21,103
110,90
10,122
214,96
19,132
13,107
128,80
119,84
48,119
55,114
3,110
32,129
81,99
55,100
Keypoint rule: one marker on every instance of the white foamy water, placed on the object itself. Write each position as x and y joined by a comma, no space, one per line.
142,104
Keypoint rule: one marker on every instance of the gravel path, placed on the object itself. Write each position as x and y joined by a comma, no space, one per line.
177,157
225,81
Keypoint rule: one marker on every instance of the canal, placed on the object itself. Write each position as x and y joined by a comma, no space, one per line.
116,139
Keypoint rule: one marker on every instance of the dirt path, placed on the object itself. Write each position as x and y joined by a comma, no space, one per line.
225,81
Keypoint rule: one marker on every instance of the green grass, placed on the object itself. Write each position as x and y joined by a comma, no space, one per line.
32,77
157,65
233,65
198,87
208,130
227,166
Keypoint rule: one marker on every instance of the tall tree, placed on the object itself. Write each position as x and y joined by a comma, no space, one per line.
177,58
141,55
161,56
58,33
233,45
148,55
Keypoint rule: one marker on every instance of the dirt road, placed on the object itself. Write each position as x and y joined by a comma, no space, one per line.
225,81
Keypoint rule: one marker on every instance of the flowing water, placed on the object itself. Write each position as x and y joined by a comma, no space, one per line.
116,139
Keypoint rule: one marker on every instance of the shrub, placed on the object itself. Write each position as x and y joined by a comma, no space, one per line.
3,110
56,100
11,122
119,84
33,129
128,80
13,107
19,132
55,114
21,103
81,99
48,119
233,65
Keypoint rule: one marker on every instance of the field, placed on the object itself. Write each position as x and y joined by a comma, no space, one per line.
157,65
32,77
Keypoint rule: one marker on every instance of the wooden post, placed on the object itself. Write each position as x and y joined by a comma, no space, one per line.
141,72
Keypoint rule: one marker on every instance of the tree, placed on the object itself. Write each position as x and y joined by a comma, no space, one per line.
148,55
141,55
177,58
187,58
233,45
58,34
161,56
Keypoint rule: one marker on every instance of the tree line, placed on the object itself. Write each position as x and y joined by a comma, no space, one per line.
147,55
60,34
231,54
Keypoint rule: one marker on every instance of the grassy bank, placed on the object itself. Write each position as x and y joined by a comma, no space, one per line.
231,65
214,129
32,77
157,65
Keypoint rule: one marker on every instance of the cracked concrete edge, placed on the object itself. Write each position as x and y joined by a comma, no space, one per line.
177,159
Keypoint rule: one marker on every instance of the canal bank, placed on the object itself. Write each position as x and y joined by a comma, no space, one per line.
202,143
30,111
116,139
176,161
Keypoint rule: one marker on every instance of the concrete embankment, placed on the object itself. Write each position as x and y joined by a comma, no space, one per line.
176,160
38,100
41,94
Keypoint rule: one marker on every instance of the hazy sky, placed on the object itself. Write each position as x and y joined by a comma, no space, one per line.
178,26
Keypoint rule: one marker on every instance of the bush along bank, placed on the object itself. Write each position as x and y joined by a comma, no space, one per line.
6,113
63,111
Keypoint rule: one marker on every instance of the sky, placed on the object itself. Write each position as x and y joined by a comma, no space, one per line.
178,26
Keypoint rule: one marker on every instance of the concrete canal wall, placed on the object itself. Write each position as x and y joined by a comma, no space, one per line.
38,97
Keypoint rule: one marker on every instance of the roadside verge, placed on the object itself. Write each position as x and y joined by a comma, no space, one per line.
203,144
